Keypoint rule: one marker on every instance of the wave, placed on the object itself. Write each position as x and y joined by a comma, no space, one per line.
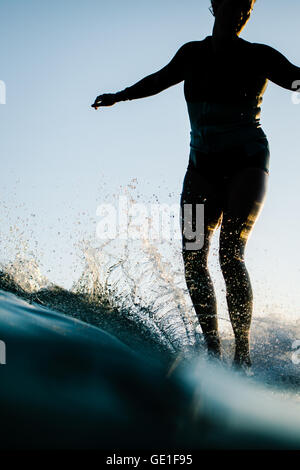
67,384
147,308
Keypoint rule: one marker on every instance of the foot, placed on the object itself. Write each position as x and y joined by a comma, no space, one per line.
242,363
213,347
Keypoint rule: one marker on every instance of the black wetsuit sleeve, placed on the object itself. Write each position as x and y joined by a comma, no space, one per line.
171,74
279,69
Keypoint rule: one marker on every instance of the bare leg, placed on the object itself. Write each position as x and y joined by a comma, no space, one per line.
245,198
197,276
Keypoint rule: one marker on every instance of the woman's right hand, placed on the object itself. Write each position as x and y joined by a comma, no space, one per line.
108,99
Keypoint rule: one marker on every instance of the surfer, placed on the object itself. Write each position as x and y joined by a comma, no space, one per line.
225,78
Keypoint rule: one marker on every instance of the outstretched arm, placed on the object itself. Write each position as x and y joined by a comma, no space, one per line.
279,69
171,74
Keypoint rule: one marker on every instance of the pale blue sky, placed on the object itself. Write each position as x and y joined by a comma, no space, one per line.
60,158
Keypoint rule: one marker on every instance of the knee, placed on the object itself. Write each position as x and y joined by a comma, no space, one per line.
224,259
195,259
230,260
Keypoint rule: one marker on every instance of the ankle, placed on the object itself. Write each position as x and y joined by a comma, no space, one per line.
242,356
213,344
212,337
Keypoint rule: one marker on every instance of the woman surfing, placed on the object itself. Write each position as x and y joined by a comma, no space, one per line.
225,78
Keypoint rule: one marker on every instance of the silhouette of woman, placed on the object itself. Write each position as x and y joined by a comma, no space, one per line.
225,78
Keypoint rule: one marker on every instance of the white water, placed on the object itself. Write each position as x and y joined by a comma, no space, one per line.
145,279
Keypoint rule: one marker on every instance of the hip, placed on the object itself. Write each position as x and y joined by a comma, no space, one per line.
228,161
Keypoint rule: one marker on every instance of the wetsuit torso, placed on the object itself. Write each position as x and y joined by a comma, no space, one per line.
223,91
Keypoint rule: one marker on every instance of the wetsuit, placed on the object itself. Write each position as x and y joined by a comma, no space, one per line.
224,93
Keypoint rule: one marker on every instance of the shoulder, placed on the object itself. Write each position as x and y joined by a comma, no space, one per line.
262,50
262,53
192,46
